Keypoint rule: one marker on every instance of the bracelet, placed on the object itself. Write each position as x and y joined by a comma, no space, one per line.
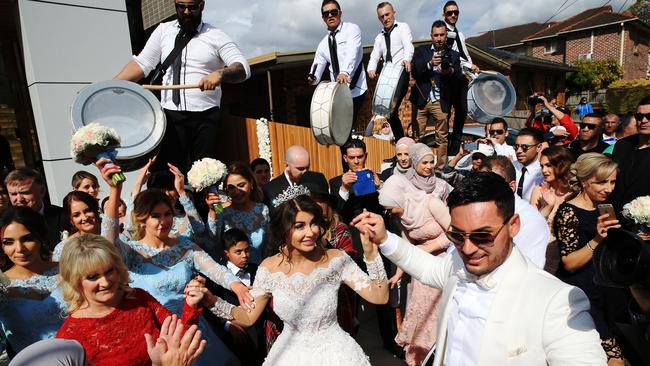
222,309
376,270
589,246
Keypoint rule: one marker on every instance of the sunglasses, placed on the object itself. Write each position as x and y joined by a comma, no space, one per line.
496,132
523,147
452,12
482,239
640,116
328,13
589,126
190,7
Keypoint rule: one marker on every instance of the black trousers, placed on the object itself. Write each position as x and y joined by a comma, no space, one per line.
459,102
189,136
395,122
357,103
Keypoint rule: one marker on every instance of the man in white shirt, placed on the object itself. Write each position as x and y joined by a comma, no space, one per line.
610,124
534,235
497,132
393,44
497,307
342,51
529,172
456,42
209,59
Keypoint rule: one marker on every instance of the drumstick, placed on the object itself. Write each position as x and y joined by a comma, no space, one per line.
170,87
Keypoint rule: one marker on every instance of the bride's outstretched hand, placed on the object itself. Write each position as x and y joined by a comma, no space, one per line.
370,249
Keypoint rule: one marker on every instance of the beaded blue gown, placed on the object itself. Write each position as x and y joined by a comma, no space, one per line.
254,223
32,310
164,273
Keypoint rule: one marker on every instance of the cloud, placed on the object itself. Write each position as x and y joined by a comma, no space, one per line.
261,27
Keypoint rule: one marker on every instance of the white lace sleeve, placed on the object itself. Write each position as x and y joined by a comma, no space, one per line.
213,270
192,215
358,280
262,285
111,230
223,309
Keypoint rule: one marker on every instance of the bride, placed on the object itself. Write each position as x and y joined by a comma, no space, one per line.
304,279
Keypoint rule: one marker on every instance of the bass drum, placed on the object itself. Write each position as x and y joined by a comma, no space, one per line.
386,92
132,111
490,95
331,113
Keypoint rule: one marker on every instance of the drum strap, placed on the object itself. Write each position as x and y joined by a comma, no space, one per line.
178,47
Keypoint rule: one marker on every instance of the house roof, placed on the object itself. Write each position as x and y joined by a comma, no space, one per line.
509,36
499,59
590,18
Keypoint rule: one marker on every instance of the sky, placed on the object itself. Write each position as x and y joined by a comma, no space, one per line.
264,26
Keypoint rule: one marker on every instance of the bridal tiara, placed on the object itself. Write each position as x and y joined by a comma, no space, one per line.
290,193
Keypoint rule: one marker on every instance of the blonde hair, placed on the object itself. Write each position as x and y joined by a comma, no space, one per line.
82,256
378,123
590,165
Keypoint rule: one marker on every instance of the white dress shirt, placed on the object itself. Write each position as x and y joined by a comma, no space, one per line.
244,276
533,177
506,150
466,63
350,56
401,46
533,235
210,50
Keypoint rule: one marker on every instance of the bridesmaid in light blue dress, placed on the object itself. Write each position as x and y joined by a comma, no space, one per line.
33,307
163,265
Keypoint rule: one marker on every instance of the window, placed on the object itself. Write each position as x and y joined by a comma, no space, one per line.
550,46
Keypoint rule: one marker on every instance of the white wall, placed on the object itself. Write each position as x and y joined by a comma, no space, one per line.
69,44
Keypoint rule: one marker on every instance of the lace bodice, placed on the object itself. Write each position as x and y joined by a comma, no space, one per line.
255,223
33,309
307,302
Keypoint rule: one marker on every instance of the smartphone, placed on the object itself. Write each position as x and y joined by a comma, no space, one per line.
470,146
365,183
607,209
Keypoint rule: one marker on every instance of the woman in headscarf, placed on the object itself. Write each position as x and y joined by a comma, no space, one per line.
402,162
423,217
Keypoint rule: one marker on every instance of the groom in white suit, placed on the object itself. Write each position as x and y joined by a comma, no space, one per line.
497,307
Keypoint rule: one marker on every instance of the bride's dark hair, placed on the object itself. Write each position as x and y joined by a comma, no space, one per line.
283,218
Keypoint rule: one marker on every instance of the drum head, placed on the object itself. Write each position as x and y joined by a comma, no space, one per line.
132,111
384,100
331,113
493,95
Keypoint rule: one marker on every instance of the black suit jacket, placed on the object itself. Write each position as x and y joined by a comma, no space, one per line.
355,204
278,184
54,219
450,85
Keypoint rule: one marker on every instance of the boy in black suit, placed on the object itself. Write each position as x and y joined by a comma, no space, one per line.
247,344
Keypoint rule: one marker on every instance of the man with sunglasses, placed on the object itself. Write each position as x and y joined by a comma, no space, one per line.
590,137
497,307
393,44
497,132
209,58
341,52
632,154
527,147
455,38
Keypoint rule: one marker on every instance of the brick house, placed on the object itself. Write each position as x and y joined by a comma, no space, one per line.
594,34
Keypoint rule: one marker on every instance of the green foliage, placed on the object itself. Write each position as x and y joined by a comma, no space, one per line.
625,96
594,75
630,83
641,9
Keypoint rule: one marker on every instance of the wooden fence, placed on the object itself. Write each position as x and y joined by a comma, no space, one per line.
238,141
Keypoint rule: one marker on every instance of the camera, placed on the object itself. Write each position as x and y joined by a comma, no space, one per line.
445,59
622,259
534,100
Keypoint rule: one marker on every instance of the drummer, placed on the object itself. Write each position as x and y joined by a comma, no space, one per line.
193,115
392,44
341,49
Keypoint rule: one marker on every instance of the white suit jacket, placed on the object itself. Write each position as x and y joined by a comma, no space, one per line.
535,319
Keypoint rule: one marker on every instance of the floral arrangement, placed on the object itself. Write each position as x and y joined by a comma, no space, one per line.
93,142
206,174
264,140
638,210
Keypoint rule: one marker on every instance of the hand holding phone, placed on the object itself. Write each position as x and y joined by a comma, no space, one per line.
365,183
470,146
607,209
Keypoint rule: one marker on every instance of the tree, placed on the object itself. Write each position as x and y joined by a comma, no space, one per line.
594,75
641,9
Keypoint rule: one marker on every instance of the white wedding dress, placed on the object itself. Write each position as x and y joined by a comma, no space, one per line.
306,303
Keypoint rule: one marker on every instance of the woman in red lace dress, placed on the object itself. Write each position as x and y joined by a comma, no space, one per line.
107,317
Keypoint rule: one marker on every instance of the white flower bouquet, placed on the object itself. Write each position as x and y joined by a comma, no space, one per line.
93,142
206,174
638,210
